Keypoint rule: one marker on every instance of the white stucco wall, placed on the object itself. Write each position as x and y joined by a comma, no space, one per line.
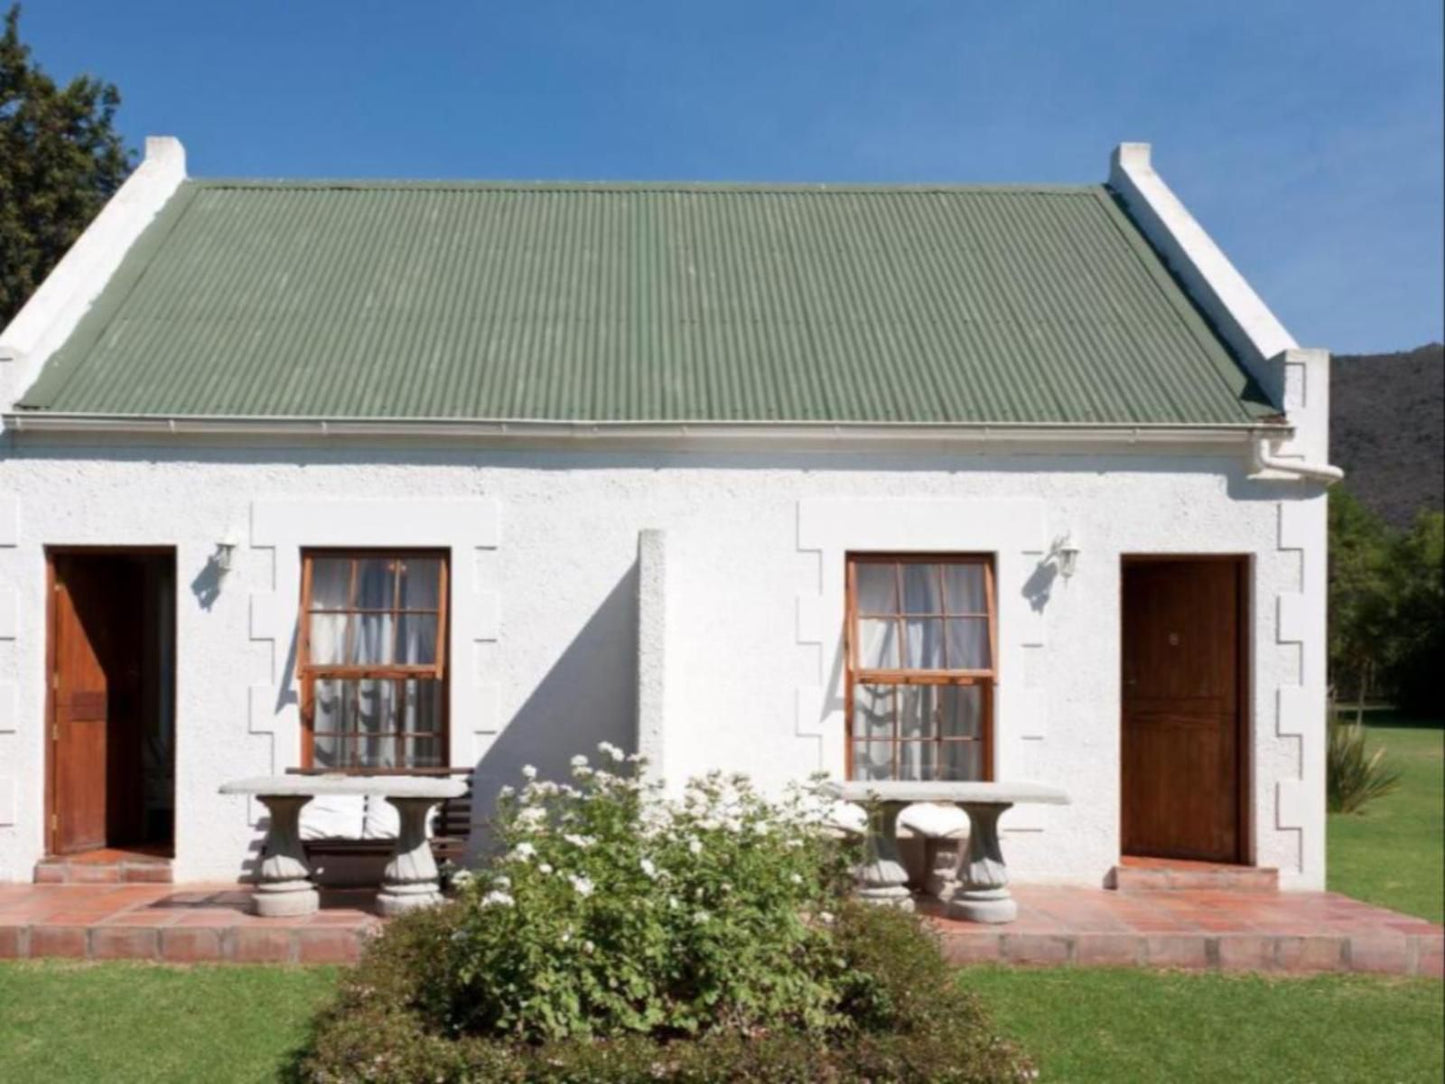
546,548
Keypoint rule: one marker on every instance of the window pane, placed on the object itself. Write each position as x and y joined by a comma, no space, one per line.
922,592
372,639
877,588
917,705
423,710
960,711
375,702
962,761
326,711
327,751
968,647
915,760
424,753
963,589
417,642
873,711
328,638
878,643
374,583
330,582
925,644
872,760
420,583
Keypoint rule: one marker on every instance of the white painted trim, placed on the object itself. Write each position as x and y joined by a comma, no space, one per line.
1239,314
57,306
652,649
648,435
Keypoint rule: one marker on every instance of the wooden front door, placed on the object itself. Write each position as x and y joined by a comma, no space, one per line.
97,657
1182,755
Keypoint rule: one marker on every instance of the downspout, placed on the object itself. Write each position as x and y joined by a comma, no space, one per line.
1265,459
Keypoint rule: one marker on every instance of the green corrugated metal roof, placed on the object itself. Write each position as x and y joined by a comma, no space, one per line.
646,303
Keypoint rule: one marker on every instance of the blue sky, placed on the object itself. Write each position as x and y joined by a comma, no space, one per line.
1305,135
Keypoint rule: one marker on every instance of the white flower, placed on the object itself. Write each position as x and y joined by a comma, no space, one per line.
827,917
506,792
796,879
534,816
461,877
524,852
503,882
582,885
648,868
579,841
545,867
673,902
529,772
611,751
587,947
499,899
699,918
694,846
579,761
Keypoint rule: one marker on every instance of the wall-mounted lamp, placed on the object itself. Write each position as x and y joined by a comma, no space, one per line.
1066,554
225,554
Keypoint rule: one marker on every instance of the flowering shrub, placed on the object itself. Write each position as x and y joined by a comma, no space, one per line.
616,937
610,910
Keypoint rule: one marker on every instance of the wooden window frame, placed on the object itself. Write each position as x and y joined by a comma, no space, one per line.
985,680
309,673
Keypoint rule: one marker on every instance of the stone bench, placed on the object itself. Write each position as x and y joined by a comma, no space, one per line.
981,892
284,884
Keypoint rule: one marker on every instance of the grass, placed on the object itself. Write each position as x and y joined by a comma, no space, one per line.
1393,853
122,1022
1108,1025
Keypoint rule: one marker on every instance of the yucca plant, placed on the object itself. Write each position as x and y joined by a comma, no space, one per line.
1355,777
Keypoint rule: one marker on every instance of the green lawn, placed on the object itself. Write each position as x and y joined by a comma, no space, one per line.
1111,1025
1393,853
119,1022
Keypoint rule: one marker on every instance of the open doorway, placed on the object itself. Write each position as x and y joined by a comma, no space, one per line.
111,660
1184,749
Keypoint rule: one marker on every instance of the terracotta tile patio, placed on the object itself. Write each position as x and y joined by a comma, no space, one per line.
1289,932
1248,931
176,924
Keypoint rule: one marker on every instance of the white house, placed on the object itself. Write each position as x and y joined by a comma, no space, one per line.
959,482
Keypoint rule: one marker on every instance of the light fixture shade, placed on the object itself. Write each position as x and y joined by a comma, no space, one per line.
225,553
1066,555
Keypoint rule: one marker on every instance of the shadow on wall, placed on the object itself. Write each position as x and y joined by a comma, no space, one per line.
589,696
207,584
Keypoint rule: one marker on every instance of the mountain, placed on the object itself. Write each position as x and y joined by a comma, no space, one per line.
1387,429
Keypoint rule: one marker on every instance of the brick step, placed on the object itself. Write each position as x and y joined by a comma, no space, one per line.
131,869
1387,952
1191,877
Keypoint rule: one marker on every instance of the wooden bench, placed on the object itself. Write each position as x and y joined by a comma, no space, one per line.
451,823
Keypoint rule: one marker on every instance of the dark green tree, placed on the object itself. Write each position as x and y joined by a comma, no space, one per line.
1360,597
1417,568
60,160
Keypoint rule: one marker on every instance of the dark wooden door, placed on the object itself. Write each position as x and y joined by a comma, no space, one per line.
1182,777
97,796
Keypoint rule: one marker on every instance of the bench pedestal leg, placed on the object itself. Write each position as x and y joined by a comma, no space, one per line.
982,894
882,878
283,881
410,878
